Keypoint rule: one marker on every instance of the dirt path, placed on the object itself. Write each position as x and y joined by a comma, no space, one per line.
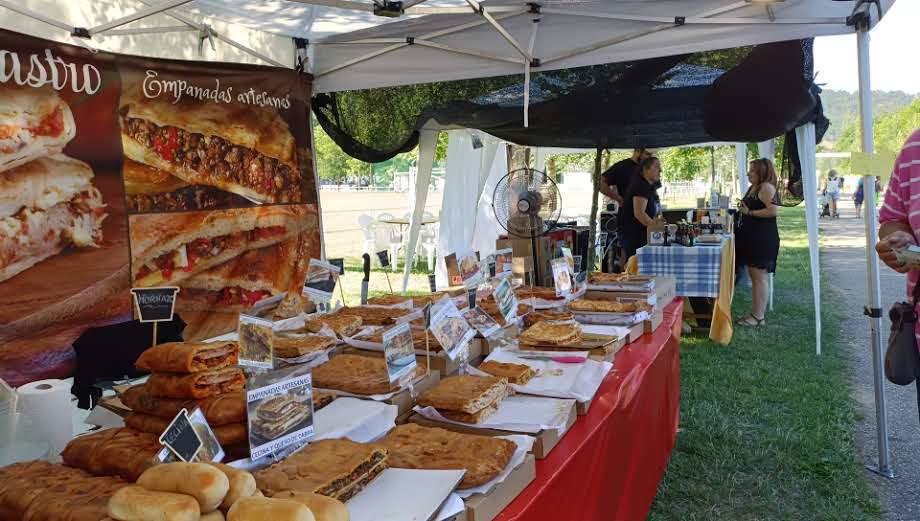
844,263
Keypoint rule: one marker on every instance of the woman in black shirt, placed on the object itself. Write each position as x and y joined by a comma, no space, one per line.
641,206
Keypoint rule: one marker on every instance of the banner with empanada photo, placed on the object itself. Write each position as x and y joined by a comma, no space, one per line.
120,171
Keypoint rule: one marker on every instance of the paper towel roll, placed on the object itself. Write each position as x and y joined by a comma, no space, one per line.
47,404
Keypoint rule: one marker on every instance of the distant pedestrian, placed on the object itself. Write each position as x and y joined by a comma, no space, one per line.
860,195
832,188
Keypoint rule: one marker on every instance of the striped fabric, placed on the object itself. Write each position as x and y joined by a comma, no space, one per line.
696,269
902,199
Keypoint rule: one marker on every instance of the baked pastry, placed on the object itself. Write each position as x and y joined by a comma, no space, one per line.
539,292
374,316
491,307
136,503
466,398
337,468
344,325
412,446
241,484
221,409
42,491
552,333
518,374
37,123
206,483
188,357
277,415
357,374
254,157
228,434
321,399
608,306
293,345
547,315
388,300
113,452
418,339
262,508
196,385
324,508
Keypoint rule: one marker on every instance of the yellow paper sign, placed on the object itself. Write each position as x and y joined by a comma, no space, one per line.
879,164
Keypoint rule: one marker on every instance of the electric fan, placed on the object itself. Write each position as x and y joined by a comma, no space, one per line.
527,204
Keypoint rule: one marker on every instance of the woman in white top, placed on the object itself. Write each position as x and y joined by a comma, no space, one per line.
832,188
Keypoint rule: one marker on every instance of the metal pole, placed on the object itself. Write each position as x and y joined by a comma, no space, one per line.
873,310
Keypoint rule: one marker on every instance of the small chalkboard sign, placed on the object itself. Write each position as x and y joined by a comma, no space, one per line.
181,438
339,263
384,257
431,283
155,304
426,311
471,297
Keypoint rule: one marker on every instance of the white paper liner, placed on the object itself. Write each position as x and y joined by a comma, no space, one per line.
401,305
600,329
605,318
539,303
527,414
360,421
404,495
619,286
576,381
524,444
451,508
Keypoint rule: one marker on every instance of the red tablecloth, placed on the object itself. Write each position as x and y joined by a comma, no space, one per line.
607,467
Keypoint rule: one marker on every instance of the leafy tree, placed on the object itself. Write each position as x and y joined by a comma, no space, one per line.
889,132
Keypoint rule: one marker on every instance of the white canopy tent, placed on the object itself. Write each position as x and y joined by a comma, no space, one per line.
359,44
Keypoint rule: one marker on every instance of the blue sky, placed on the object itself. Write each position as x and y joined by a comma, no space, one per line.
894,49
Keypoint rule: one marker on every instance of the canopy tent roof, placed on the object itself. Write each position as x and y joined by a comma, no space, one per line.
352,48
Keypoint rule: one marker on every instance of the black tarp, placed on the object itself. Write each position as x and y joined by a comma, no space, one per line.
735,95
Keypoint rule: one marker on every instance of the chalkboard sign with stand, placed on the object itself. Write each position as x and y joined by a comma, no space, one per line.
155,305
181,438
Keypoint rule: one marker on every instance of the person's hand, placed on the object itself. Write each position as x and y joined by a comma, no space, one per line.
744,209
886,247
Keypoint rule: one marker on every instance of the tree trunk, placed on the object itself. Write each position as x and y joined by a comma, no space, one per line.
592,223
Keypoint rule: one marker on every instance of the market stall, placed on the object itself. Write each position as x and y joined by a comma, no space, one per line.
192,184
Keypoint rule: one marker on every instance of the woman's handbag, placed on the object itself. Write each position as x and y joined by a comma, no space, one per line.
902,360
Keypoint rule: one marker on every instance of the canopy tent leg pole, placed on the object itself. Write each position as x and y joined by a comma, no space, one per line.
427,145
806,141
592,223
741,159
873,310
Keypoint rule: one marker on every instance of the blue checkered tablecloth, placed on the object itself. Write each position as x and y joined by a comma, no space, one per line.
696,269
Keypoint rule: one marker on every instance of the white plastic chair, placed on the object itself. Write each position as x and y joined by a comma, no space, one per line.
428,244
388,237
366,222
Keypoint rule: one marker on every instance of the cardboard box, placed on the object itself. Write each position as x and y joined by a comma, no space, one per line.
538,249
444,365
664,293
650,325
486,507
544,441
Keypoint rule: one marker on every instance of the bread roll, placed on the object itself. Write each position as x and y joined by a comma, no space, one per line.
323,508
216,515
242,484
134,503
263,509
205,483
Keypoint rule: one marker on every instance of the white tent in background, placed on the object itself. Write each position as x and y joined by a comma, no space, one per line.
359,44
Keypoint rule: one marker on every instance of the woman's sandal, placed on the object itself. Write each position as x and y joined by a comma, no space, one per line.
750,320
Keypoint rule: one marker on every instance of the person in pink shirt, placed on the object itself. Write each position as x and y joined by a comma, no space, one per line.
900,212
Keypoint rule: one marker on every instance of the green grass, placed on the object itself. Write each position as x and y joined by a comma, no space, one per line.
766,426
